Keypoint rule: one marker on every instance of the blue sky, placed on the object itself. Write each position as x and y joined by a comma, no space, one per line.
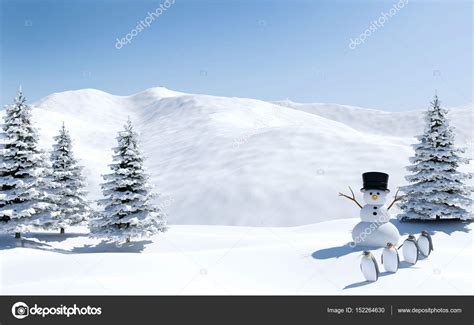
262,49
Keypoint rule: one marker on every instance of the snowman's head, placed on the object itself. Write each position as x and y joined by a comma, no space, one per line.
375,197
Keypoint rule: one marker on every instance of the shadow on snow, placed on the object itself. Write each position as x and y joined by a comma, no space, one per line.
107,247
53,237
364,283
41,241
432,226
9,242
336,252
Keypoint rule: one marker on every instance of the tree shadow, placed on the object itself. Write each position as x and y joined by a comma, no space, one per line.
336,252
432,226
9,242
109,247
54,237
364,283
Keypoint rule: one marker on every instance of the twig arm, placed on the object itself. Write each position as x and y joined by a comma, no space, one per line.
395,199
351,198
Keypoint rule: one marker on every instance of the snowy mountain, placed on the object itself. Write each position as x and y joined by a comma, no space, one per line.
236,161
400,124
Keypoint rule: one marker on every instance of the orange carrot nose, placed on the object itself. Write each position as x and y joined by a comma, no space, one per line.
374,197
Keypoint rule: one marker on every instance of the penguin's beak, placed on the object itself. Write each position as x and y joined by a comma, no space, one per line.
374,197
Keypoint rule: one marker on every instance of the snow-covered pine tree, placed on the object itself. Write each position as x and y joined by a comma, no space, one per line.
68,192
128,212
21,170
438,190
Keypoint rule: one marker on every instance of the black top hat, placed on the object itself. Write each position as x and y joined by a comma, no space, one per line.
375,181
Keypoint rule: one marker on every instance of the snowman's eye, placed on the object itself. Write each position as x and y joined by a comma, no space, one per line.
378,193
370,193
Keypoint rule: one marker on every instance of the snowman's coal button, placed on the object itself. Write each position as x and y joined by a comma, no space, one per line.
375,207
375,213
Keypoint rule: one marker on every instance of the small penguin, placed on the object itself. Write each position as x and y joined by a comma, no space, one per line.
390,258
410,250
369,266
425,243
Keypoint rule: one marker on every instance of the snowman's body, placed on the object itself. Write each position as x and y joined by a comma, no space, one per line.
374,230
371,234
371,213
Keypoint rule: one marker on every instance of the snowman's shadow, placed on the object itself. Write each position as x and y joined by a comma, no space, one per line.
336,252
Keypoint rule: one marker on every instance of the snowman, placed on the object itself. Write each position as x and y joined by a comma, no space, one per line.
374,230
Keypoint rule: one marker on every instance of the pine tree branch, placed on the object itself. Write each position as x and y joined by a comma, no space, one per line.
351,198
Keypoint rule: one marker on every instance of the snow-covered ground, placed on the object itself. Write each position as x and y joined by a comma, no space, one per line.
310,259
238,161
